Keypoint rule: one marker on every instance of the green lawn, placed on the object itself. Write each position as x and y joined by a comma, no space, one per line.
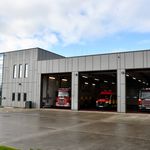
11,148
6,148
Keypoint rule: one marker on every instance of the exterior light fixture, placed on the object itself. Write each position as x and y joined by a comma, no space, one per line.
52,78
122,72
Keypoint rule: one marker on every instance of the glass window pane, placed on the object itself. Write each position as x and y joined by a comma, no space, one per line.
13,96
14,71
19,96
26,71
25,97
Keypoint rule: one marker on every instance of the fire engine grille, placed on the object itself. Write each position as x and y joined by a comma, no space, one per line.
61,102
146,103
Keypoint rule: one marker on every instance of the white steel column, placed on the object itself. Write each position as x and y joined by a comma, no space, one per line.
74,91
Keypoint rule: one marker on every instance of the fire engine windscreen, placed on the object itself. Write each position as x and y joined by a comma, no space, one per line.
63,93
145,94
105,96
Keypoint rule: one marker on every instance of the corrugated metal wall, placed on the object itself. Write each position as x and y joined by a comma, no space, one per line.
126,60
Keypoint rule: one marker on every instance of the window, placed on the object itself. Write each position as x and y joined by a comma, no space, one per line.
15,71
20,71
26,71
19,96
24,96
13,96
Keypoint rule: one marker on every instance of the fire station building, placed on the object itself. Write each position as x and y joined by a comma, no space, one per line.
35,76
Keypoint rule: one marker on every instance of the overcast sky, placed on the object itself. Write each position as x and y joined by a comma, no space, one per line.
75,27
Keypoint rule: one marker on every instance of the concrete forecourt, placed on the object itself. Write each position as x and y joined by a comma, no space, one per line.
73,130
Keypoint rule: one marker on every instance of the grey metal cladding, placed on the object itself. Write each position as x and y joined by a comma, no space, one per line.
62,65
89,63
139,60
126,60
55,65
42,61
47,55
104,62
75,64
81,63
69,64
148,59
129,60
96,62
112,61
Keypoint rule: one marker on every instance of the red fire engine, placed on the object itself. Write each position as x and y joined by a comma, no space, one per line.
64,97
107,100
144,99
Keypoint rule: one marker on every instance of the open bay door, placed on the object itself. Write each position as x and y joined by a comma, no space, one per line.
56,90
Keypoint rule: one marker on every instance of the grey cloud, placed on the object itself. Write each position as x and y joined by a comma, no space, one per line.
73,21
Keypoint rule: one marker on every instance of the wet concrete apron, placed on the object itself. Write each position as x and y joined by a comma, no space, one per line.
67,130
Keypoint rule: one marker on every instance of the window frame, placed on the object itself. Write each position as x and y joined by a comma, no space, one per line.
26,70
14,71
13,96
24,97
19,97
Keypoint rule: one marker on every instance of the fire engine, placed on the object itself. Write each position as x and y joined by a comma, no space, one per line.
144,99
63,98
107,100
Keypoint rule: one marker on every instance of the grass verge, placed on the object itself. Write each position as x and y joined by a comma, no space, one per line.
7,148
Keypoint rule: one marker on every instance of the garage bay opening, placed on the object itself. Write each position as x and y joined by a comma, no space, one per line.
56,90
98,90
138,90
